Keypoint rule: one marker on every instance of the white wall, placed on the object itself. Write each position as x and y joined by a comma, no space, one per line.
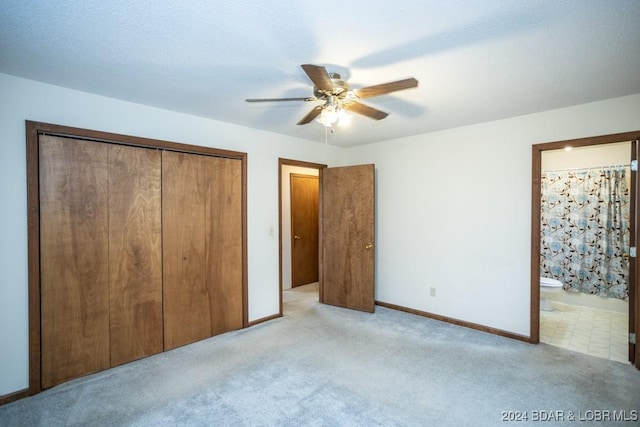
22,100
454,211
287,170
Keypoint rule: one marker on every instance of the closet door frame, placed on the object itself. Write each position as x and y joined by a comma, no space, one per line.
33,132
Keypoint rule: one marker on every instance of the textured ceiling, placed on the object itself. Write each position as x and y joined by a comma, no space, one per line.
475,60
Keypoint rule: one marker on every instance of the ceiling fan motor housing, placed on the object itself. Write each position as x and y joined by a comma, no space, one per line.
340,88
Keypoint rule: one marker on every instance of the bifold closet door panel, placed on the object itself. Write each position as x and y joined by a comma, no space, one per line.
202,247
186,309
74,276
224,243
135,253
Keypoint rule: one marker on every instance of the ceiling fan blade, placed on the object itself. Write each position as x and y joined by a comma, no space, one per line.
382,89
311,115
365,110
308,98
319,76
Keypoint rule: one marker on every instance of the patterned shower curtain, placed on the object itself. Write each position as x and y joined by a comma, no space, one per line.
585,230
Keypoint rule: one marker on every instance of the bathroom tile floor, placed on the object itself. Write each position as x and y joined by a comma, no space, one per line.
595,332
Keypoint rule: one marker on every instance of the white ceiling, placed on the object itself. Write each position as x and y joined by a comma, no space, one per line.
476,60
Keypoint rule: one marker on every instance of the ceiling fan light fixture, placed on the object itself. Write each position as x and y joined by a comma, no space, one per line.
327,117
333,113
344,118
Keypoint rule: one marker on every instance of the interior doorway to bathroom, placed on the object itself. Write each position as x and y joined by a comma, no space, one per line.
539,331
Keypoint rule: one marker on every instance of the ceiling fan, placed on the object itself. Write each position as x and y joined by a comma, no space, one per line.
338,97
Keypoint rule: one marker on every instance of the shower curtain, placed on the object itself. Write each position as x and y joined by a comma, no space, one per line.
585,230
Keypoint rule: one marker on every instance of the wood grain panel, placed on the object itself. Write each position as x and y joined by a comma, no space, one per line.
224,243
304,229
135,253
202,247
347,221
73,258
60,231
186,304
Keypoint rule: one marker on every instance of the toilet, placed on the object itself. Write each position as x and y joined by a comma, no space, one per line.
547,286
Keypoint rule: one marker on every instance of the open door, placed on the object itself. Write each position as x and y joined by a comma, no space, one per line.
347,231
634,349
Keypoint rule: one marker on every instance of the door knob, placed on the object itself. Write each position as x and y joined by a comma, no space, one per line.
296,237
368,246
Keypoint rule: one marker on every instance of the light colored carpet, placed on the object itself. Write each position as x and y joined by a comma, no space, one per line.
308,292
326,366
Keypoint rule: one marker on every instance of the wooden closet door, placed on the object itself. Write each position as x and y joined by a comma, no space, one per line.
202,247
73,258
135,253
224,243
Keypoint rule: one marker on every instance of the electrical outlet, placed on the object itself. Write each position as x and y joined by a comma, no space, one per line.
432,291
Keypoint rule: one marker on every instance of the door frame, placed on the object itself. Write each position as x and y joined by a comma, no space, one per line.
298,163
536,194
33,131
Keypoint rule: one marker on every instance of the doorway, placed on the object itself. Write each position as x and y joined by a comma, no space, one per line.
574,319
304,191
292,172
537,168
346,247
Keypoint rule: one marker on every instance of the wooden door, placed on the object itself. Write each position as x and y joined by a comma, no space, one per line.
632,282
304,229
135,253
347,221
74,258
202,247
224,269
100,247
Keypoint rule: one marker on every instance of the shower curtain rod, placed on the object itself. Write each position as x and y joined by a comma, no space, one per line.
589,168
